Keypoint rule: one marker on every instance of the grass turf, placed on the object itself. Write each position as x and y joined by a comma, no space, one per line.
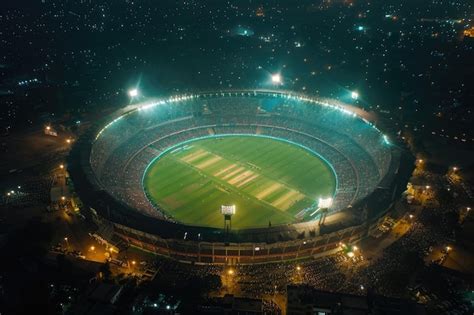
268,180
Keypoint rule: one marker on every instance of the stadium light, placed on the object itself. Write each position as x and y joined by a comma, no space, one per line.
133,93
276,78
354,95
325,203
228,210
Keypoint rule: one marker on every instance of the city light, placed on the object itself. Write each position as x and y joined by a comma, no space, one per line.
350,254
230,272
133,93
354,95
298,268
61,166
276,78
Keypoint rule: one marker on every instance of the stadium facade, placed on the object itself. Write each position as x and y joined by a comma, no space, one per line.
107,165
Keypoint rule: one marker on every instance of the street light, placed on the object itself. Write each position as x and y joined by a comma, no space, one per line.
61,166
298,268
230,272
448,248
92,248
354,95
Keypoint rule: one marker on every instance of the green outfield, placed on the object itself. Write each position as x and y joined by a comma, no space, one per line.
268,180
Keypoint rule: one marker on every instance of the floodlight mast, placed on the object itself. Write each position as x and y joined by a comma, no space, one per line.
228,211
133,93
324,204
276,79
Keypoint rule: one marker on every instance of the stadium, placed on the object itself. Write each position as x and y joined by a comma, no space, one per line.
228,177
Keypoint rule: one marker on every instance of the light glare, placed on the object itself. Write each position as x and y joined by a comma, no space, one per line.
133,93
276,78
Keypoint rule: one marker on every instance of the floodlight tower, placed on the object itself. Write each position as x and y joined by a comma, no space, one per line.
276,79
324,204
227,211
133,93
355,95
